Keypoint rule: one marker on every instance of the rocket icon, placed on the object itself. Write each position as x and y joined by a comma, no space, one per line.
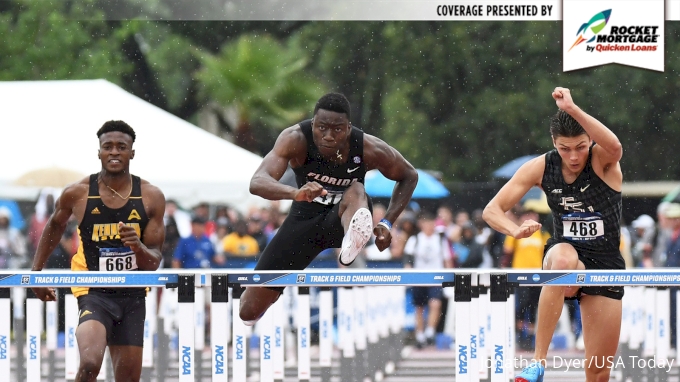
589,30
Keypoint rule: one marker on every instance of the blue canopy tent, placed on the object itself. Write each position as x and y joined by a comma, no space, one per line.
17,220
428,186
509,169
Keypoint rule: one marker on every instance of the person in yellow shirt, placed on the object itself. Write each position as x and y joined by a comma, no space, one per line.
239,243
526,253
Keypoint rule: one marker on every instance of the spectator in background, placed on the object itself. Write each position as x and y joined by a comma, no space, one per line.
445,223
273,222
61,256
462,218
371,251
467,252
483,237
12,243
265,217
672,215
663,235
43,210
195,251
172,235
181,217
405,227
223,230
203,210
428,250
222,216
275,225
526,253
239,243
643,238
626,245
61,259
255,230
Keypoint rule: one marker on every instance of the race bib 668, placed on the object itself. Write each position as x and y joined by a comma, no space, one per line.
117,259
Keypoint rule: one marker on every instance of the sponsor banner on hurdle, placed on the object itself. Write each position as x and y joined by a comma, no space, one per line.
88,279
331,278
595,278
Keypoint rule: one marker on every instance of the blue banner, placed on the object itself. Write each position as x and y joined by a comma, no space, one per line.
594,278
87,279
335,278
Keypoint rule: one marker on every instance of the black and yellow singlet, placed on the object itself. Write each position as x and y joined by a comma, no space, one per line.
101,249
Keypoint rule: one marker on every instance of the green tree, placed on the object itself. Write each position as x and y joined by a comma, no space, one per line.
43,40
264,82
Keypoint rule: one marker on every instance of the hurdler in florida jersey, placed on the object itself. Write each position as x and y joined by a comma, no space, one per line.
334,177
101,249
330,158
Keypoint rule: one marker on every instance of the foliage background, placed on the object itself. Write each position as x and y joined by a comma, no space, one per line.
461,98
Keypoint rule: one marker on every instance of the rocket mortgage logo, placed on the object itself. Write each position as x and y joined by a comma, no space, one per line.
620,38
613,35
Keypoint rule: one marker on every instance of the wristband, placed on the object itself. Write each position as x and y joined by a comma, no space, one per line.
385,223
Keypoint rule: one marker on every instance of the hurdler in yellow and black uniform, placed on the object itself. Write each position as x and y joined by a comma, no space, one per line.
120,310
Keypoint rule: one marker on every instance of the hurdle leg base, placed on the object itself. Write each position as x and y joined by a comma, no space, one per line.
326,374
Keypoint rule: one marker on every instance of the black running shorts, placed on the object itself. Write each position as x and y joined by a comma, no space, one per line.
123,317
596,262
301,238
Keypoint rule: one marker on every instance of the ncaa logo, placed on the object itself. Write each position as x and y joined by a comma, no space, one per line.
301,279
25,279
256,278
580,278
536,278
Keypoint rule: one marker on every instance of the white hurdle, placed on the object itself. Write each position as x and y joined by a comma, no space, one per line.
5,335
239,336
474,362
370,318
219,329
279,350
304,334
462,299
186,300
51,334
499,332
484,326
325,333
34,328
150,323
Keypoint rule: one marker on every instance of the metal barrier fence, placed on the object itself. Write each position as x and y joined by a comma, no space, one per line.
370,318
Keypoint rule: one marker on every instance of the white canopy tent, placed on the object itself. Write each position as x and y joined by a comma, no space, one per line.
53,124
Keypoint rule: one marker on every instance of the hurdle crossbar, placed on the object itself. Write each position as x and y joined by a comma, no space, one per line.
336,278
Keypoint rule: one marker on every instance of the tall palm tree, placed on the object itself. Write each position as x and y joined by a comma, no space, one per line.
263,81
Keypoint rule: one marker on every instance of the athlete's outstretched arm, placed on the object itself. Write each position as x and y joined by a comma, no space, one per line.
597,131
265,182
386,159
54,229
529,175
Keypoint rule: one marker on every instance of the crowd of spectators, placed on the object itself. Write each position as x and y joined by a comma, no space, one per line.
220,236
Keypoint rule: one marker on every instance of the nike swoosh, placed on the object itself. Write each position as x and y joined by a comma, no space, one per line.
349,171
584,188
